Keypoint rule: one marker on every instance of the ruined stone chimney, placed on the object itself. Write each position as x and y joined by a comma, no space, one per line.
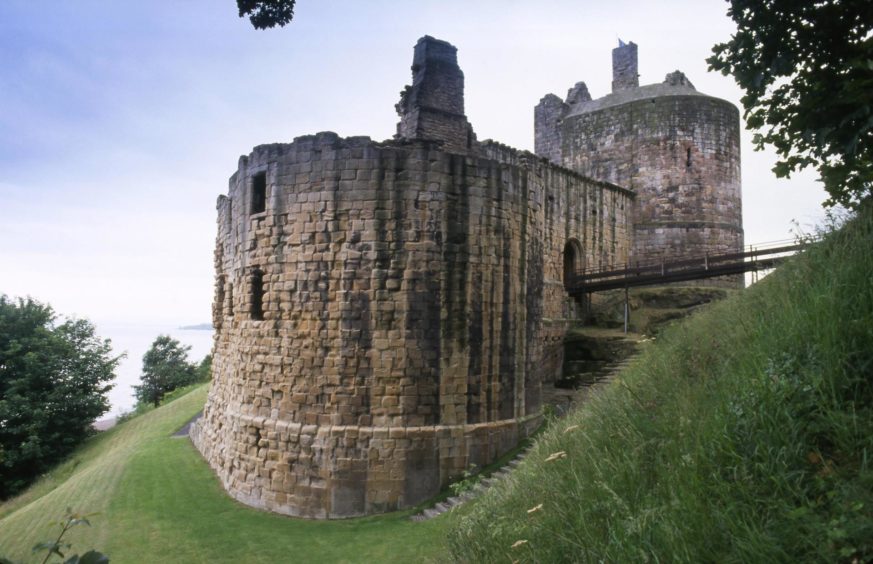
624,67
433,106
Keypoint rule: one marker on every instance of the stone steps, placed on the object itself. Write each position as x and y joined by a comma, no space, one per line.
450,503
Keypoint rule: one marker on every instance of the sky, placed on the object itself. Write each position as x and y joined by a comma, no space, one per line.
121,121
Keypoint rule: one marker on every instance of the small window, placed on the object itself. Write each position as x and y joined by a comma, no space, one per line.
259,192
230,300
257,295
688,158
218,306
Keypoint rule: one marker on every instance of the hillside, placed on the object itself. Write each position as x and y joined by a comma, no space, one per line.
741,435
157,501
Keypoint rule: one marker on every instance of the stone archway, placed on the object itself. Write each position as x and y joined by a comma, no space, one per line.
574,260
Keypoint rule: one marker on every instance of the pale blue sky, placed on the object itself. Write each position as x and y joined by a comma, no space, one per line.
121,120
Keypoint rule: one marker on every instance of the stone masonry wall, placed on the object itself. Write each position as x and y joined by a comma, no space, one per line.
680,155
390,317
624,67
547,131
432,107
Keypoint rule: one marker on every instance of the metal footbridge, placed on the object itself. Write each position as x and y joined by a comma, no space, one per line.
758,257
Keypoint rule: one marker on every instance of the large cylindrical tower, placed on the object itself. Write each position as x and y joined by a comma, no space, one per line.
386,313
677,149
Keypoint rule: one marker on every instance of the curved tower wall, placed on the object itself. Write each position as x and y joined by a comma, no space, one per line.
681,156
390,316
677,149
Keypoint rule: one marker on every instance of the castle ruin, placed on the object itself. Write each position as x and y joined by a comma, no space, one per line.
387,313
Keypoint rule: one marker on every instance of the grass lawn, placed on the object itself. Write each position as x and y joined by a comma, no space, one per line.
158,501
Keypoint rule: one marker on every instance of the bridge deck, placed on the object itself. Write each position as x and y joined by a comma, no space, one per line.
665,272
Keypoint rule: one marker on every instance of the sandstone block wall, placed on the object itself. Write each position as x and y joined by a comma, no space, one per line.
676,149
432,107
680,155
386,314
624,67
390,316
548,140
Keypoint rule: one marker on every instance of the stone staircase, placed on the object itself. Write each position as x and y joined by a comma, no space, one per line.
593,356
562,400
451,502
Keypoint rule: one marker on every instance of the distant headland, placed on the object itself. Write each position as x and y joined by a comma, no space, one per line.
198,327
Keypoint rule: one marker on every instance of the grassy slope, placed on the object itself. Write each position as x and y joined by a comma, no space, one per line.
158,501
742,435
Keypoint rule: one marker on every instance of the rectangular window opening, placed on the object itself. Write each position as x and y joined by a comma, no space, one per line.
259,192
258,295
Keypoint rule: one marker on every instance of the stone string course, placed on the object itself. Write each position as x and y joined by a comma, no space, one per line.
386,313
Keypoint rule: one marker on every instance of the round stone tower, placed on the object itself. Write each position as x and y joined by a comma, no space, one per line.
677,149
386,313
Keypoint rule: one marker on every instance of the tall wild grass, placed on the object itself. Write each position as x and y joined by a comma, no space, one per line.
742,435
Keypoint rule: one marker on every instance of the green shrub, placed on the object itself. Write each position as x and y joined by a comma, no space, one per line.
54,381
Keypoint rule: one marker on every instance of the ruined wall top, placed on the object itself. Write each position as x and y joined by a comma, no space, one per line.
433,106
625,88
625,73
437,80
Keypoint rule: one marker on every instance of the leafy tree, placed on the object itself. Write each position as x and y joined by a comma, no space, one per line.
807,70
165,367
53,384
267,13
204,369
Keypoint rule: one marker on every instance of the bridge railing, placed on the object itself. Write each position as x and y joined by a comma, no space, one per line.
753,257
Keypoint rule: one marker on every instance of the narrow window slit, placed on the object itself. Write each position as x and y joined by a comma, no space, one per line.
257,300
259,192
218,306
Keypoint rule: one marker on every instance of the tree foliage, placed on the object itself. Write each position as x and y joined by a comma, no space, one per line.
53,384
267,13
165,367
807,70
204,369
57,547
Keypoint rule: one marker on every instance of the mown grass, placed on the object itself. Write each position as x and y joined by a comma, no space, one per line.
742,435
157,501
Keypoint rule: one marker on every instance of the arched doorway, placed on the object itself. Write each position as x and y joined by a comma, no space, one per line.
574,261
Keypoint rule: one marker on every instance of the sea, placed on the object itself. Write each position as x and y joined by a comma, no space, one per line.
133,340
